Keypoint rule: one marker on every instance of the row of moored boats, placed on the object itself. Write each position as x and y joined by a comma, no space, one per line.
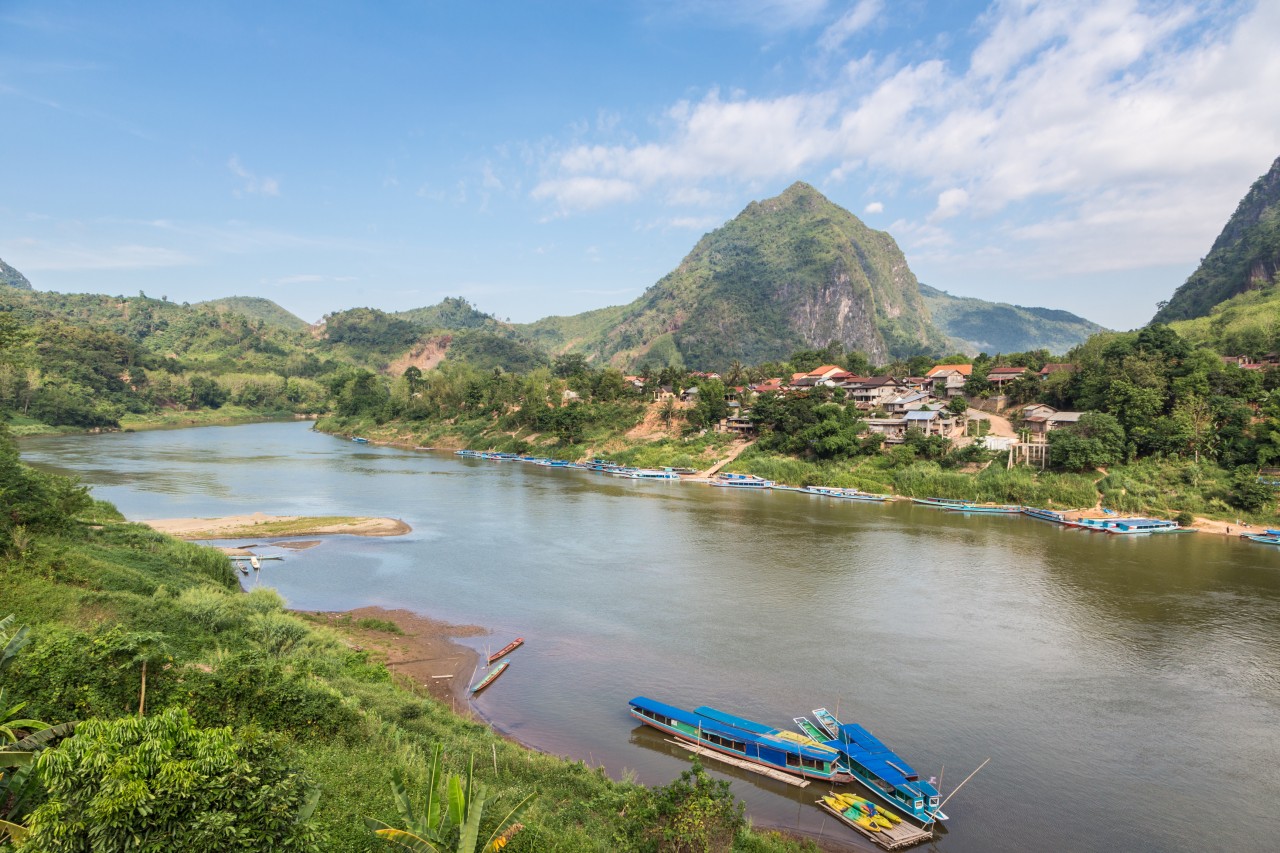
819,749
1106,524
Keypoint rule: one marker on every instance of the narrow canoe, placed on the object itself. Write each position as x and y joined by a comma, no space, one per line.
506,650
491,677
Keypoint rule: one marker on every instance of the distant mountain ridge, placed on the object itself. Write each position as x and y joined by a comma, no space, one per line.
976,325
12,278
257,308
1245,255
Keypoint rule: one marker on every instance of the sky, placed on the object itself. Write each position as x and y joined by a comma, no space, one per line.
552,157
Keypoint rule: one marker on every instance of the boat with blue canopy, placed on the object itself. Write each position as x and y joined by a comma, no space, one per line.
755,743
881,770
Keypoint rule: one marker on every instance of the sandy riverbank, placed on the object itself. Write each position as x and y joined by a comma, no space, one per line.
425,653
260,524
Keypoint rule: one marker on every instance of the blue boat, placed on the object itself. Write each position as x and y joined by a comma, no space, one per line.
359,439
988,509
741,481
1045,514
881,770
1263,538
842,494
943,503
755,743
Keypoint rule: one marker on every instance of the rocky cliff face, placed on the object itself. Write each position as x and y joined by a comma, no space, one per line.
1245,255
12,278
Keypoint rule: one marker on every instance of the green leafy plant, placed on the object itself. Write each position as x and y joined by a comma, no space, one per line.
451,823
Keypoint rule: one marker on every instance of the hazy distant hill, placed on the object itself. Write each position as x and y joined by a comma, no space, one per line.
791,272
452,313
12,278
257,308
975,325
1245,255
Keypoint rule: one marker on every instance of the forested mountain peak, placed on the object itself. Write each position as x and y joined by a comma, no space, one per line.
1246,254
12,278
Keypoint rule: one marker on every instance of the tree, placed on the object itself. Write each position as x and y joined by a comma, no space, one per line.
569,364
1246,492
153,784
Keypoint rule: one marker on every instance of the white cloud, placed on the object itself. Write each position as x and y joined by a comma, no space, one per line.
308,278
874,207
950,203
252,184
1084,120
849,24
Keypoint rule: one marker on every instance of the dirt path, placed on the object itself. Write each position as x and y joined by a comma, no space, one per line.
733,454
999,426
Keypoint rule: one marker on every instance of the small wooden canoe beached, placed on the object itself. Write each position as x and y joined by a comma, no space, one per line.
491,677
506,650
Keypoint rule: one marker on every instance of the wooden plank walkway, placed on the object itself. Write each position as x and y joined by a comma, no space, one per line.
898,837
742,763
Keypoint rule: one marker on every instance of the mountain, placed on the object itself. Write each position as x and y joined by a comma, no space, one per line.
975,325
12,278
452,313
257,308
791,272
1245,255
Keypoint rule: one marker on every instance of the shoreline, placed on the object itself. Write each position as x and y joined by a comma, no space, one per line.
265,526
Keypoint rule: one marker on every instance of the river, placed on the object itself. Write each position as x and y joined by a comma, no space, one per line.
1126,689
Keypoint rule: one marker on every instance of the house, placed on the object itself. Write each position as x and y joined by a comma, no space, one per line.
663,392
929,421
873,392
689,395
893,429
948,379
1001,376
700,374
1040,419
768,386
1056,367
907,402
828,374
569,394
738,424
635,382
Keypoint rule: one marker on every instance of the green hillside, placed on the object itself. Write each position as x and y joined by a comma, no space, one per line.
452,313
9,277
1245,255
1247,324
791,272
975,325
257,308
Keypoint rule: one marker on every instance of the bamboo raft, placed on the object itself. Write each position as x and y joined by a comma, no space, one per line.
898,837
741,763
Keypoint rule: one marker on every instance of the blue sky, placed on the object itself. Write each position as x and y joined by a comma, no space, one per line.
553,157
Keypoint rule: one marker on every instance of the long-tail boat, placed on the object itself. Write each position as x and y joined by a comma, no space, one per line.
490,678
881,770
742,739
506,650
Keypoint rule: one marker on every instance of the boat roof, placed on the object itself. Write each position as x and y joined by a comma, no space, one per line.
710,724
866,749
759,728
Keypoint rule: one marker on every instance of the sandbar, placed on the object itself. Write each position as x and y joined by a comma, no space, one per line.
260,524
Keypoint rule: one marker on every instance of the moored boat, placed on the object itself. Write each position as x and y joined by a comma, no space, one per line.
881,770
753,742
490,678
990,509
944,503
506,650
741,481
1263,538
359,439
1045,514
649,474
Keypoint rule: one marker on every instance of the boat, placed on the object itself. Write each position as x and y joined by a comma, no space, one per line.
1127,525
991,509
648,474
750,742
843,494
807,726
253,561
359,439
878,824
1045,514
944,503
1263,538
741,481
490,678
506,650
881,770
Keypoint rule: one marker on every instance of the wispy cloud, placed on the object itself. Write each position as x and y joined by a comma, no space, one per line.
874,207
1059,106
307,278
39,256
252,184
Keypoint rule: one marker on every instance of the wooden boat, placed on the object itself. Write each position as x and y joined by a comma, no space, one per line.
806,725
253,561
649,474
359,439
1127,525
1045,514
506,650
842,494
943,503
490,678
881,770
1263,538
741,481
1009,509
746,741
